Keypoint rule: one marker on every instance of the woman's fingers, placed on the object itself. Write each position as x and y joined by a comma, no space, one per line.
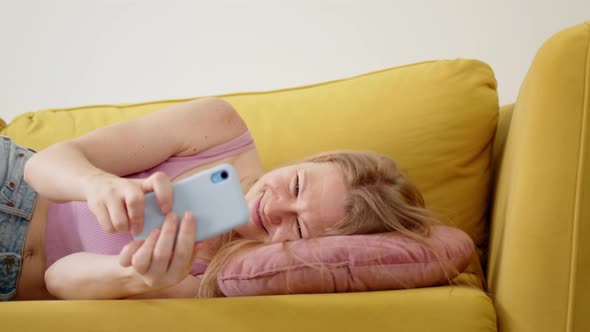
118,214
165,259
161,185
135,205
128,251
164,247
102,215
185,245
143,257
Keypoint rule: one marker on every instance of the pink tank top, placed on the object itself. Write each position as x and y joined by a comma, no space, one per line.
72,227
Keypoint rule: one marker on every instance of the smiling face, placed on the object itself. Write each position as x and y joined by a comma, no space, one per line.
296,201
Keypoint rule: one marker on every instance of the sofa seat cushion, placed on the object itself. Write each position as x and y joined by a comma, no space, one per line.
442,309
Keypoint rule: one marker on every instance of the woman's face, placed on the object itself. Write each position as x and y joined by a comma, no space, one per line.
294,202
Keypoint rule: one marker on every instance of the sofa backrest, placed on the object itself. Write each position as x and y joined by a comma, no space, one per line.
436,119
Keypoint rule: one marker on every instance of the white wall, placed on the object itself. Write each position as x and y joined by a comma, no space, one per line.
63,53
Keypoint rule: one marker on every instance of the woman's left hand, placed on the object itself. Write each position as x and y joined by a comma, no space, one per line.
158,259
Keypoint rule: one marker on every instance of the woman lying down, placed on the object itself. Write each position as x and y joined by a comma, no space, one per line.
69,212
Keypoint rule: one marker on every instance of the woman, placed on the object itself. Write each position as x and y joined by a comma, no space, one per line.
67,228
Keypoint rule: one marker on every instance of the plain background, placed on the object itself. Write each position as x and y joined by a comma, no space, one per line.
63,53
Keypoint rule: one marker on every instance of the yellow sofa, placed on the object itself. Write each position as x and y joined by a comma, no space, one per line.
515,178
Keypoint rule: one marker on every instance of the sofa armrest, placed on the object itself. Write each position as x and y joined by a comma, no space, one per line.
539,253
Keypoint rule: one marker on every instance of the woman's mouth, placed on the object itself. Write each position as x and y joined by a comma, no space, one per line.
255,214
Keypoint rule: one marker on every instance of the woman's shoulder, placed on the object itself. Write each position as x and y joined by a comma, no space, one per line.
215,123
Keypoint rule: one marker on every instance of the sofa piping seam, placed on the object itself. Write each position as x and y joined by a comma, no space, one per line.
179,100
298,87
576,217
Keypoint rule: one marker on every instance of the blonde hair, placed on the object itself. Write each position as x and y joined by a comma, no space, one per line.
379,199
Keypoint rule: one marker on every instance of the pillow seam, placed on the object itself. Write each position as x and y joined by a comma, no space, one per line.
300,267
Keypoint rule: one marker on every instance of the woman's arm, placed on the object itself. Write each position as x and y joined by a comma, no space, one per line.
88,168
156,267
87,276
62,171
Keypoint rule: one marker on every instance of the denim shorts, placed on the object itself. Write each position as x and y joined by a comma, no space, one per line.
17,201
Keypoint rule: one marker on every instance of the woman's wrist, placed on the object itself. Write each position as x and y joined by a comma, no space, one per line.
135,283
93,178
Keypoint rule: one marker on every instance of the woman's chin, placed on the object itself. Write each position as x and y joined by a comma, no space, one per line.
250,231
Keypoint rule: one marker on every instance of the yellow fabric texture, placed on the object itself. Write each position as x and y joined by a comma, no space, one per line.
539,262
437,119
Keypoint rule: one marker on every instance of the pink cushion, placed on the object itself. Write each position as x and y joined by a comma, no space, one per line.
352,263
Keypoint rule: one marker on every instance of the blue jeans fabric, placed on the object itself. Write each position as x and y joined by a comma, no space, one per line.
17,201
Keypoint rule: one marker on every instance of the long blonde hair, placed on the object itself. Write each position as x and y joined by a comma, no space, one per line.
379,199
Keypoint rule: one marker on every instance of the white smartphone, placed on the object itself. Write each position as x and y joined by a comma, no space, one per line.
214,196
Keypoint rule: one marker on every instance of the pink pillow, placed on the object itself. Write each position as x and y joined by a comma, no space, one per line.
352,263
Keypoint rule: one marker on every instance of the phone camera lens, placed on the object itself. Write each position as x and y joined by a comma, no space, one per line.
224,175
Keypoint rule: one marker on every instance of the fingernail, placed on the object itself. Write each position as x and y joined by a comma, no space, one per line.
135,229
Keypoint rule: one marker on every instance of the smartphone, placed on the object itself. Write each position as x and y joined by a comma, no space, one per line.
214,196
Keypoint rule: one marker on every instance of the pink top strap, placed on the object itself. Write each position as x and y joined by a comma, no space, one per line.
175,166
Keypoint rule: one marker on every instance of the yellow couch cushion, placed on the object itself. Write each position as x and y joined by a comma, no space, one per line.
437,119
441,309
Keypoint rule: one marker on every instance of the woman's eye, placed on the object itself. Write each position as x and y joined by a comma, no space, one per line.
297,186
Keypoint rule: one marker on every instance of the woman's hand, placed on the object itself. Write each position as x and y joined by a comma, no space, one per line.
160,260
118,203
